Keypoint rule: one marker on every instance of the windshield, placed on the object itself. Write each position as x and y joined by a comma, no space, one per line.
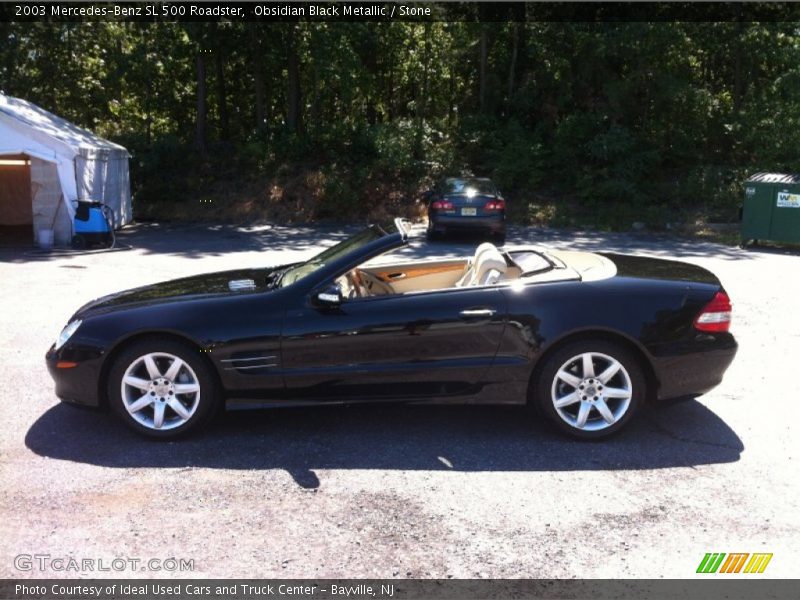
298,272
468,186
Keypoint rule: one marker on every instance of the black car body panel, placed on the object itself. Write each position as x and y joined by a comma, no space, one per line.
272,345
642,267
177,290
392,346
653,317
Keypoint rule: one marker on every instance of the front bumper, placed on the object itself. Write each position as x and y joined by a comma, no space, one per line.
78,384
443,223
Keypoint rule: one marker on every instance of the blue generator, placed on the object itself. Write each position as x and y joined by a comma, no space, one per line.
93,226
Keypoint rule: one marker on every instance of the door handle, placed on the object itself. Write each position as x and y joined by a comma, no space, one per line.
396,276
477,312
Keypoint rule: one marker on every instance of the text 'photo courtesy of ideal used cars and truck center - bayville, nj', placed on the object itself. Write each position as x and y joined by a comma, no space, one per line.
399,300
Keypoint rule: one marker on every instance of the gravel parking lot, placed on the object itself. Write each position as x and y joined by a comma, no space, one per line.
398,491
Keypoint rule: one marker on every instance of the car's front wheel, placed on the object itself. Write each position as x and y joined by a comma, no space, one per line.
590,389
162,388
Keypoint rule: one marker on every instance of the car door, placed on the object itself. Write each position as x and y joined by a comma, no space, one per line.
439,343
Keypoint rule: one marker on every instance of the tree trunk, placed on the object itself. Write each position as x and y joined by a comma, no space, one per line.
7,82
148,116
390,96
222,96
200,134
737,68
258,78
484,50
293,112
316,119
451,98
512,71
426,93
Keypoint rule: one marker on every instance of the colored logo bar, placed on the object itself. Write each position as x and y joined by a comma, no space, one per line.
735,562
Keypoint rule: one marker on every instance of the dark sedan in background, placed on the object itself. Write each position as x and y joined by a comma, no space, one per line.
466,204
585,338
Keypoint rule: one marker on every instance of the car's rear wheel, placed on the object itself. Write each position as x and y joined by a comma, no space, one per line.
590,389
162,388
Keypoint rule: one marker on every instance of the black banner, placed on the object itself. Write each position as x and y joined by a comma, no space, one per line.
270,11
390,589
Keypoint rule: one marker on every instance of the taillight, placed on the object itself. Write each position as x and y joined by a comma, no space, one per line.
716,315
442,205
495,205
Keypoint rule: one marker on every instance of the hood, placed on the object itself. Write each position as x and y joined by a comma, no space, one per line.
222,283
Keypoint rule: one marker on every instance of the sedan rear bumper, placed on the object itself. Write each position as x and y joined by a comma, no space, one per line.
443,223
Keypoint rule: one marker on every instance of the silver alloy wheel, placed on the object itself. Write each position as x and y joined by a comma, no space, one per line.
160,391
591,391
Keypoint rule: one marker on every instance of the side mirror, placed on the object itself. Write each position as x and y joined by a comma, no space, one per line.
330,296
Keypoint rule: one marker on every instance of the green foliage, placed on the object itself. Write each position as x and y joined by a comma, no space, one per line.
341,193
396,146
514,157
166,166
616,122
716,191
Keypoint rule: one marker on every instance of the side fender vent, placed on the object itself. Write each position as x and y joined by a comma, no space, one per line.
250,363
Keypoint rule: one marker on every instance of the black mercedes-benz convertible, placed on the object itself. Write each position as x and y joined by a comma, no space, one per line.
584,338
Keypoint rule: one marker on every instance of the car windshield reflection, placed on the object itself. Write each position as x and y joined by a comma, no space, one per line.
298,272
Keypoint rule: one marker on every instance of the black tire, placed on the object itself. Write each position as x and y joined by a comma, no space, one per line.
630,377
201,405
79,242
499,239
432,235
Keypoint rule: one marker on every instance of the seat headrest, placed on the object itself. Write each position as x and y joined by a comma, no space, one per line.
484,247
490,260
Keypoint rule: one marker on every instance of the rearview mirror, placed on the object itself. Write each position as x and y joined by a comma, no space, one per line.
330,295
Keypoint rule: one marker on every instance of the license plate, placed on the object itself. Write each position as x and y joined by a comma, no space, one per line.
469,212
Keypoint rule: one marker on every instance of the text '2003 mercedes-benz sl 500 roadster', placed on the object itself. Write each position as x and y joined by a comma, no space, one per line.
585,338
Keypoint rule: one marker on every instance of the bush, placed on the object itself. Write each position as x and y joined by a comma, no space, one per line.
716,191
514,157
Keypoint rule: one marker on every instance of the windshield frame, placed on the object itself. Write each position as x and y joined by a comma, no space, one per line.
353,250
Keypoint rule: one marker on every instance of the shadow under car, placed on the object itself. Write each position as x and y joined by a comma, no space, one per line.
401,437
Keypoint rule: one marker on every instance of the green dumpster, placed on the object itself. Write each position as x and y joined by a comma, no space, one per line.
771,208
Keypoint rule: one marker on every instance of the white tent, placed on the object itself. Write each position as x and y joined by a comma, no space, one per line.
63,162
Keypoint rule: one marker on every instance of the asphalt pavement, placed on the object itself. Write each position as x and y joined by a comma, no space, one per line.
396,491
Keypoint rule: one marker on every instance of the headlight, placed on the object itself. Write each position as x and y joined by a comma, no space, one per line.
67,332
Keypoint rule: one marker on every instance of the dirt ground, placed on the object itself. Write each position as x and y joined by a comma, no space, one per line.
397,491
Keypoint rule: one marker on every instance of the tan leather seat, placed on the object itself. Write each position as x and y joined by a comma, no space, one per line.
485,268
490,268
469,271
